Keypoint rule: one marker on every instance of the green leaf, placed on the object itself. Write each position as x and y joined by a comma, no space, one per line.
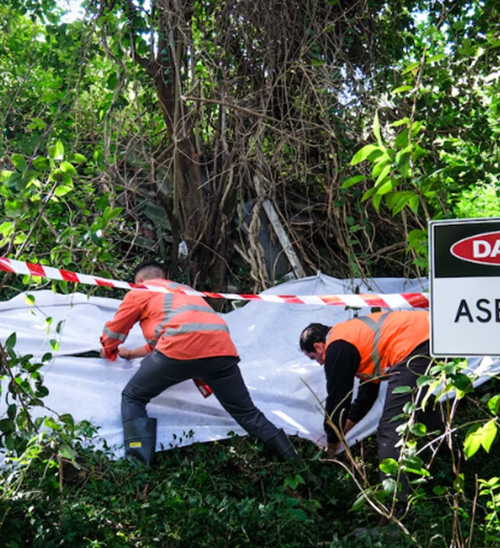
439,490
79,158
436,58
376,155
461,381
368,194
19,162
416,127
7,228
291,483
54,345
111,213
419,152
401,140
402,390
404,164
67,452
41,163
385,188
353,181
389,466
494,404
417,236
363,154
396,201
7,426
414,203
10,442
11,341
11,411
411,67
409,407
382,162
383,174
13,180
68,168
418,429
98,156
299,514
376,202
29,300
403,121
42,392
389,485
358,503
63,190
417,471
488,435
56,152
423,380
472,441
49,422
401,89
20,238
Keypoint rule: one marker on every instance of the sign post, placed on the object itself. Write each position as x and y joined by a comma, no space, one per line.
465,287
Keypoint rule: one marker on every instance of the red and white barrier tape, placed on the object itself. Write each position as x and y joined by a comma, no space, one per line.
394,300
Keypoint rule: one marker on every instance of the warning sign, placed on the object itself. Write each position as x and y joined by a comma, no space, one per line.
465,287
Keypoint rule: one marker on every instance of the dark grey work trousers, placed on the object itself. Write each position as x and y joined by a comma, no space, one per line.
158,372
405,373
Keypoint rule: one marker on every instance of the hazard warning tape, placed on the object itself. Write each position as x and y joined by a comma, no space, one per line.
394,300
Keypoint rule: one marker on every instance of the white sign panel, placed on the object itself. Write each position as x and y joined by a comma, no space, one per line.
465,287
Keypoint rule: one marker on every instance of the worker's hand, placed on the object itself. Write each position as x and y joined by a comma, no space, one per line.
124,353
332,449
102,354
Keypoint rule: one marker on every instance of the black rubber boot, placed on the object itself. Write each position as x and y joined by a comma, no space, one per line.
140,439
282,446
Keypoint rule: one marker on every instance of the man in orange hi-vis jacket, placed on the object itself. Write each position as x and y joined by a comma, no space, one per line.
186,339
382,345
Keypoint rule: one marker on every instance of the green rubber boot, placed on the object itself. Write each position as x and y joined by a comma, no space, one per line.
140,439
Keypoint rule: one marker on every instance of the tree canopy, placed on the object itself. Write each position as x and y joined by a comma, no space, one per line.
149,127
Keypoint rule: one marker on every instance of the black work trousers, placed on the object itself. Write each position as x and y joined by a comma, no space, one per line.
158,372
405,373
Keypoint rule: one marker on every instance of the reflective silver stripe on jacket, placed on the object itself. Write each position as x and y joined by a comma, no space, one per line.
170,314
167,310
113,335
193,327
376,327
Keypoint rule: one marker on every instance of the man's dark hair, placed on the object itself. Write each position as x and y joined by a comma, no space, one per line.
313,333
148,264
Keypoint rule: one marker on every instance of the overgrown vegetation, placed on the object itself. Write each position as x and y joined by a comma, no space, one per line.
61,486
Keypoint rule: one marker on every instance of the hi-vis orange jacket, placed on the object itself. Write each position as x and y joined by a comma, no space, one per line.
182,327
382,339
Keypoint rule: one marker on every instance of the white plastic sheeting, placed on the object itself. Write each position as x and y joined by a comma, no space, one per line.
283,383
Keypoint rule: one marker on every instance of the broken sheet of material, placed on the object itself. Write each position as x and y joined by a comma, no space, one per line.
283,383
